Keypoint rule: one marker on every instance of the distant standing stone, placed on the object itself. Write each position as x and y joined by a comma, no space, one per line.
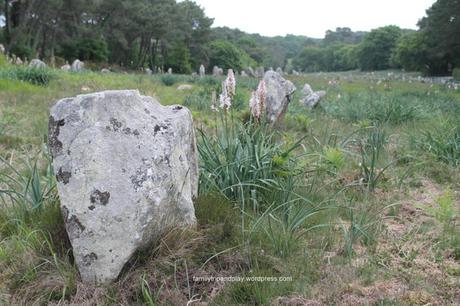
279,92
216,71
105,70
170,71
37,64
202,71
126,170
148,71
77,66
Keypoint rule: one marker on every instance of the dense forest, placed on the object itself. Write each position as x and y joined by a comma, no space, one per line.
163,34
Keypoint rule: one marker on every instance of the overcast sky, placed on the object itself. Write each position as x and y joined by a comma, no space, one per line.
313,17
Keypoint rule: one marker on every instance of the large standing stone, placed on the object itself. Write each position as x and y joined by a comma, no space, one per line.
126,169
279,92
37,64
77,66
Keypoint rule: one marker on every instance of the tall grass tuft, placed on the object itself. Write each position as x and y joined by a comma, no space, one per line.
443,142
243,160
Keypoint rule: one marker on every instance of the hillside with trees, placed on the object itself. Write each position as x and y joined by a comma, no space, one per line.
162,34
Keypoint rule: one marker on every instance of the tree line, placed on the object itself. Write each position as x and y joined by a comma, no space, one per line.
162,34
434,49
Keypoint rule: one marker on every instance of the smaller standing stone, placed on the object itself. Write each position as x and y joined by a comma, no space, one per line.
311,98
169,70
77,66
216,71
279,70
148,71
202,71
105,70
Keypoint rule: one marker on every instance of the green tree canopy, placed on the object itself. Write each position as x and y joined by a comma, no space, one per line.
377,47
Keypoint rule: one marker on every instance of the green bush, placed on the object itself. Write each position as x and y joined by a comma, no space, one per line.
226,55
36,76
169,79
86,49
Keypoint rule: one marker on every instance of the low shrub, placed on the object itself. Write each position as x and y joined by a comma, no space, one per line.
35,76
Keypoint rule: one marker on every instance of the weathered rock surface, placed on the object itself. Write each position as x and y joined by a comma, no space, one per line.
105,70
279,92
126,169
77,66
311,98
36,63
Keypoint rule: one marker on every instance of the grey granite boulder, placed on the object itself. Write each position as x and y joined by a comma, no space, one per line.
311,98
37,64
279,92
126,170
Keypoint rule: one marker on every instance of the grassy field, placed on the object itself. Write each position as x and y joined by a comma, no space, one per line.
353,203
